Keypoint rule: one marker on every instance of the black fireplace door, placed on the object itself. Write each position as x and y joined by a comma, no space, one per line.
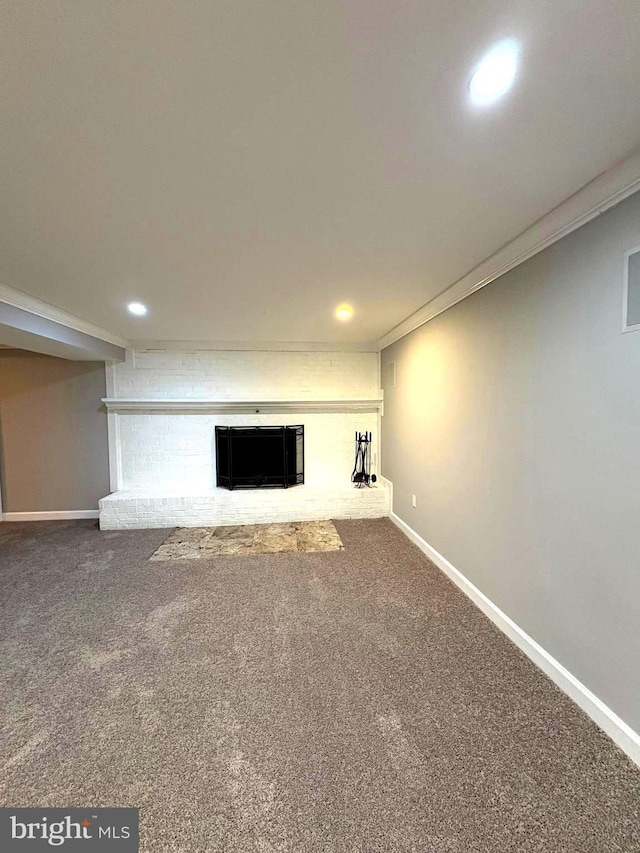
264,457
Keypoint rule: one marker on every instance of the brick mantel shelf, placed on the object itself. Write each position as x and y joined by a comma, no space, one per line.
186,406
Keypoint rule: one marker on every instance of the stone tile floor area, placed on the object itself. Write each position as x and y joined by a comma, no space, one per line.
189,543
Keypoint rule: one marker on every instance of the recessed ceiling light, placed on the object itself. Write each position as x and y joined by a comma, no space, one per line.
344,312
495,74
137,308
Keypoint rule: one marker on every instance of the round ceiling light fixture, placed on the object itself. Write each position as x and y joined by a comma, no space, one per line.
495,74
344,312
137,308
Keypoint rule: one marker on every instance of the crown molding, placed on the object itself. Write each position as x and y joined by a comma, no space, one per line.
253,346
17,299
603,192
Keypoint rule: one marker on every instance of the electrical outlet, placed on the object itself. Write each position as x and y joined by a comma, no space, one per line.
413,500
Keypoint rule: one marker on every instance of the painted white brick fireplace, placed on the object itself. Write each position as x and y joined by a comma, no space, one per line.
164,406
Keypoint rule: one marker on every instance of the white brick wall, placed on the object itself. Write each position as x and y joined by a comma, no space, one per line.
179,450
142,508
226,375
166,454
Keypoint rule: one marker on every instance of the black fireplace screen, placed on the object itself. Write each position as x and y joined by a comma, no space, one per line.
264,457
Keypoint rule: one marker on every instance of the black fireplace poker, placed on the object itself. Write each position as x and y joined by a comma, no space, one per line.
360,474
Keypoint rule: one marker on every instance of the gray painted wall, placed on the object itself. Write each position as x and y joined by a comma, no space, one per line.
53,431
515,421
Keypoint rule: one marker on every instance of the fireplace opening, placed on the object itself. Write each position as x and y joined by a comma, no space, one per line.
259,457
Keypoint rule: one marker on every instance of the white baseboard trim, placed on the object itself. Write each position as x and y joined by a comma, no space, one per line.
56,515
624,736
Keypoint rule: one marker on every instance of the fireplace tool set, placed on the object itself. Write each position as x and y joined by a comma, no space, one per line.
360,475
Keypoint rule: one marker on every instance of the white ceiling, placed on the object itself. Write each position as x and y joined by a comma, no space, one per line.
243,166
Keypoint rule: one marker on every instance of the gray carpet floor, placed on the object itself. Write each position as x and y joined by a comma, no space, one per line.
350,701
